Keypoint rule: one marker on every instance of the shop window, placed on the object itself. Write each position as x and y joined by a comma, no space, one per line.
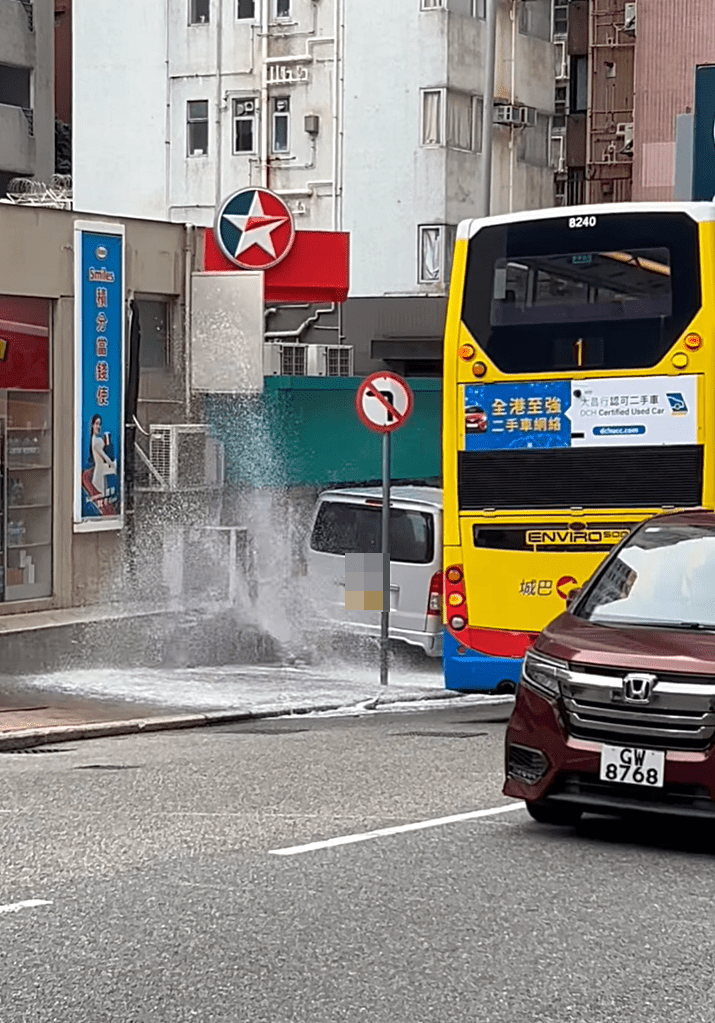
197,127
246,9
26,450
155,335
15,86
199,12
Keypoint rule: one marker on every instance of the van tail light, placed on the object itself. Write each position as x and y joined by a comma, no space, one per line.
434,601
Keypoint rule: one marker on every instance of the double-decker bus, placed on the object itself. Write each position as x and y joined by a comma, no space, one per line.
579,369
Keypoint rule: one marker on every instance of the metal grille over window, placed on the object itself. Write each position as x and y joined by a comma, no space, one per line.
338,362
293,361
197,118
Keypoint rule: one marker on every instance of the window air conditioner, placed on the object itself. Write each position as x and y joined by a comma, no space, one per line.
184,456
558,153
624,128
330,360
245,107
528,116
504,113
284,359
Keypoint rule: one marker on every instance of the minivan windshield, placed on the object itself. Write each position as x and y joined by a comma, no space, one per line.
664,576
343,528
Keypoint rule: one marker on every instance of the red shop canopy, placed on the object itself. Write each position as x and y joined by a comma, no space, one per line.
317,268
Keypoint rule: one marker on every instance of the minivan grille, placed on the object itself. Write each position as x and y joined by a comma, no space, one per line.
627,477
679,715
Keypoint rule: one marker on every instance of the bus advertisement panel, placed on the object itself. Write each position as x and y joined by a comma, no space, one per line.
579,353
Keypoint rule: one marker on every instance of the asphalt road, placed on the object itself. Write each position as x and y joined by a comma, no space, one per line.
139,881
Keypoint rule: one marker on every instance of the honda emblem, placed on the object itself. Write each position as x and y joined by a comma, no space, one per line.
638,688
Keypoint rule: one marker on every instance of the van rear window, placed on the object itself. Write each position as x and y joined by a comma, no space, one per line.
343,528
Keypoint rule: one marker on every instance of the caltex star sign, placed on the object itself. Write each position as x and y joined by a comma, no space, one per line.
254,229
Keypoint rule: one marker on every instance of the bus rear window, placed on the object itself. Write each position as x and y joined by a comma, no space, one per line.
545,294
343,528
582,286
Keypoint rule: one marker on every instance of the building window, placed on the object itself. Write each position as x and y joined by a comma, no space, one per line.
197,127
535,19
560,100
479,9
246,9
199,11
435,249
282,8
154,325
579,84
15,86
244,125
281,124
452,119
561,17
431,5
464,121
432,128
534,143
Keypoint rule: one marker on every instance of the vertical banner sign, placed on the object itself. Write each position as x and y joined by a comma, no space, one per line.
99,376
704,134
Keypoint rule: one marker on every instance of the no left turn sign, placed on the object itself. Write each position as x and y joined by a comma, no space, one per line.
384,402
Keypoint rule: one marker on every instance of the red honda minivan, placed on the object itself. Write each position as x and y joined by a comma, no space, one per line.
615,712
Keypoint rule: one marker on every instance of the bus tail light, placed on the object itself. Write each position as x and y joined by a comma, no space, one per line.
479,369
454,574
434,601
457,622
694,342
467,352
456,598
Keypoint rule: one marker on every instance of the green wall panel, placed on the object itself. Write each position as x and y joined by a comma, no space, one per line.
305,431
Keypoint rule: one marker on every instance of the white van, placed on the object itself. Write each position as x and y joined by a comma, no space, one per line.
350,522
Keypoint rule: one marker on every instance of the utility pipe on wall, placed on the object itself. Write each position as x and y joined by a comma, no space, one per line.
490,29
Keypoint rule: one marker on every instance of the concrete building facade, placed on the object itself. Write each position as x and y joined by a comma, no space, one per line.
27,109
365,117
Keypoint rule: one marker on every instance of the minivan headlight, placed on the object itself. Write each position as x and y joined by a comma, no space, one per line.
545,673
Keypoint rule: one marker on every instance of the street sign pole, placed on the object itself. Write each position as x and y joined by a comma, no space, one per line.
385,622
384,403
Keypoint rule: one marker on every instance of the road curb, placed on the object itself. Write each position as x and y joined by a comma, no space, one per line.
29,737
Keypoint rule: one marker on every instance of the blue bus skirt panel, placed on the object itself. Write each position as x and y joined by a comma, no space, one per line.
475,672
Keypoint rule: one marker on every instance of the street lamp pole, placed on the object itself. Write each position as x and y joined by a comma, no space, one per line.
490,36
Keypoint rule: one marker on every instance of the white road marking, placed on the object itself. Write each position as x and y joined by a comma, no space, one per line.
15,907
436,822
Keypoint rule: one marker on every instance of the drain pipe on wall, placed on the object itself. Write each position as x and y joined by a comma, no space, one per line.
264,111
297,334
188,265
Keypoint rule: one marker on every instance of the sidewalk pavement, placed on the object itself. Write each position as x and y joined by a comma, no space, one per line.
68,706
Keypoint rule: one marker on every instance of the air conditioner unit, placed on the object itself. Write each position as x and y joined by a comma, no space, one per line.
504,113
627,139
528,116
245,107
624,128
183,456
330,360
561,59
630,18
284,359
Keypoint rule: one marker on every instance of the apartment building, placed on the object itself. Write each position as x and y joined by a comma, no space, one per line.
365,117
27,118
